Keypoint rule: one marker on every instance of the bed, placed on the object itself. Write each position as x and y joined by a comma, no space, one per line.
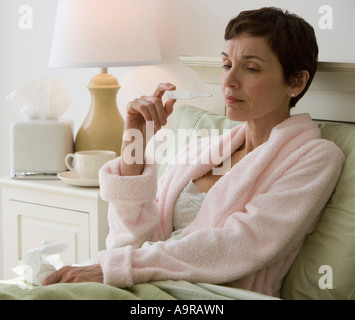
323,268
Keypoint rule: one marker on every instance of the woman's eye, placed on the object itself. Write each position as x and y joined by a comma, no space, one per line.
253,70
226,66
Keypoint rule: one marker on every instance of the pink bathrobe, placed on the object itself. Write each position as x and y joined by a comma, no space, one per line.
252,222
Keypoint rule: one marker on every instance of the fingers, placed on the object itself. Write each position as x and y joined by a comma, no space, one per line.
169,105
151,108
66,274
55,277
159,113
69,274
162,88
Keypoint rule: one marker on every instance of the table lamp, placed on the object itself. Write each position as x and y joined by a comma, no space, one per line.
103,34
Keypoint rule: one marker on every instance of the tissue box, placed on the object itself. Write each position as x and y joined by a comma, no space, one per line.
39,147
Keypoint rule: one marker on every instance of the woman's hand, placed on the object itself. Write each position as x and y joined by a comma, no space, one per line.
150,108
139,112
68,274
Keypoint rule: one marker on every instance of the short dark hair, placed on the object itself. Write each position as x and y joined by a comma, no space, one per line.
290,37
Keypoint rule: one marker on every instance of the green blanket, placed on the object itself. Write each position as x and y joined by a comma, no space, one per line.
159,290
83,291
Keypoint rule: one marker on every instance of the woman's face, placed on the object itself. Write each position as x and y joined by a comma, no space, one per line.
253,82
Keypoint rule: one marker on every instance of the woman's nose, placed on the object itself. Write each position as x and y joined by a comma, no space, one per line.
230,78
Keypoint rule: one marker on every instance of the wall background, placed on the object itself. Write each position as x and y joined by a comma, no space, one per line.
184,27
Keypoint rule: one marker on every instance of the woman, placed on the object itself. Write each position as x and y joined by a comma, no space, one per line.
250,223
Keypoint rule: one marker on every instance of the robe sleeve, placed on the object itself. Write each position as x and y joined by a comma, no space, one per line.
132,213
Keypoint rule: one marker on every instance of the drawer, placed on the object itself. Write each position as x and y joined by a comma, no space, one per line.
36,223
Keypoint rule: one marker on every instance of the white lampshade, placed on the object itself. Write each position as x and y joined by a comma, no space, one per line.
104,33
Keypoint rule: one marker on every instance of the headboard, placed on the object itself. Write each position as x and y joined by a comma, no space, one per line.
331,96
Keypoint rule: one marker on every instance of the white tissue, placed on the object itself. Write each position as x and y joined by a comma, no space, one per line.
38,263
44,98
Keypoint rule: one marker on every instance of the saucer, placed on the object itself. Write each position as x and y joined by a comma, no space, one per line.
72,178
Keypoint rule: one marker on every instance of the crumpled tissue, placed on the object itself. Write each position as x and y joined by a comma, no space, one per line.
44,99
38,263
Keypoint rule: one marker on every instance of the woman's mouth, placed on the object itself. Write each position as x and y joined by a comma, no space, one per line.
232,100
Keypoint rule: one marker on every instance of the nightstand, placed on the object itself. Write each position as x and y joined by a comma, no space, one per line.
50,210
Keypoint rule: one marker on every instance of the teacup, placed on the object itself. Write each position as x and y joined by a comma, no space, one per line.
88,163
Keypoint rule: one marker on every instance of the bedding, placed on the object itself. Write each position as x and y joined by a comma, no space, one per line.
159,290
81,291
324,268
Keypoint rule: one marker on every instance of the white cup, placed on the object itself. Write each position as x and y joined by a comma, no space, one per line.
88,163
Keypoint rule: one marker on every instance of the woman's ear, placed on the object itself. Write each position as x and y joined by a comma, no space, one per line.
298,83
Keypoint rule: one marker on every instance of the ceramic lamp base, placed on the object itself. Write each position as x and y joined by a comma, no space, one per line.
103,126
